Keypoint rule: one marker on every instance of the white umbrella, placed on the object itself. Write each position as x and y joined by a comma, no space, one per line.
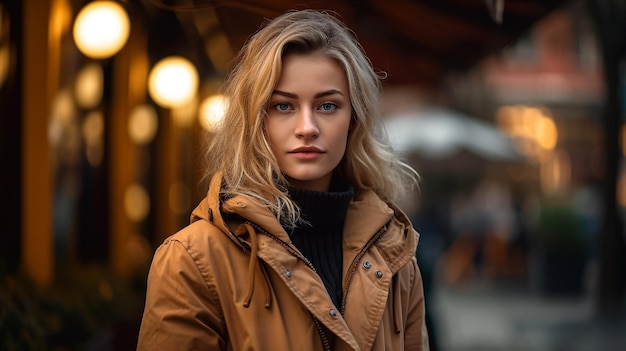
438,133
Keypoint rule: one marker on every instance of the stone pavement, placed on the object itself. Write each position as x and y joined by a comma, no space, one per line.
484,316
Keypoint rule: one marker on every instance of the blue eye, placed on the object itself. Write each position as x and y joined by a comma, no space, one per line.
282,106
328,106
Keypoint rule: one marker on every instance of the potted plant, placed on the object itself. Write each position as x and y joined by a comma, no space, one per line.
561,250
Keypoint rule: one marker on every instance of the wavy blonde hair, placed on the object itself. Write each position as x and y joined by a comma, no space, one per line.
241,150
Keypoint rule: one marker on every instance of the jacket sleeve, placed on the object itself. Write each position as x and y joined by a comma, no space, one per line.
416,336
181,312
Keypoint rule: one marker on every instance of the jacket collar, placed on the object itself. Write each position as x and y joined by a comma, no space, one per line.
366,214
210,209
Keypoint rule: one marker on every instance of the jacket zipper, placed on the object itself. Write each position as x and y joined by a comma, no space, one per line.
355,263
283,244
297,254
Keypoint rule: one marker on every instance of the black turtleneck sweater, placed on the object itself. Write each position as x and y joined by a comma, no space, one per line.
320,241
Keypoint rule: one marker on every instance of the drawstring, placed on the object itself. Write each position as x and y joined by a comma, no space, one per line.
397,305
252,267
268,293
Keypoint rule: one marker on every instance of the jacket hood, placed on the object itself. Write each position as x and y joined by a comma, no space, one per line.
366,214
212,207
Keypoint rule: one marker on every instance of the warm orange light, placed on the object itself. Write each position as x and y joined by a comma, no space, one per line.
136,202
93,135
212,112
621,190
89,86
556,172
4,63
142,124
532,128
101,29
173,82
546,135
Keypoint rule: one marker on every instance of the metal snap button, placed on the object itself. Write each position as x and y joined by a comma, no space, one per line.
332,312
288,273
367,265
379,274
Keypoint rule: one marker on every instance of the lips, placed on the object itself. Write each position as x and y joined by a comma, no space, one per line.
306,149
307,152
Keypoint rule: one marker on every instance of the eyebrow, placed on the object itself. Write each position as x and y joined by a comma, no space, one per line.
317,96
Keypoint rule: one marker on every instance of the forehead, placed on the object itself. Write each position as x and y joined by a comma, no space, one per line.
310,70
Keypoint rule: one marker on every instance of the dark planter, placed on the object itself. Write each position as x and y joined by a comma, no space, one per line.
561,251
562,273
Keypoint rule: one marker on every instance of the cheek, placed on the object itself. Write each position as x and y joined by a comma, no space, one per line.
342,138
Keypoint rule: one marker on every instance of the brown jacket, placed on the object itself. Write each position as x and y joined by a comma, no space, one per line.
243,286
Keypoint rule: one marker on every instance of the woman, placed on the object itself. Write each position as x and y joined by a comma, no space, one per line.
296,246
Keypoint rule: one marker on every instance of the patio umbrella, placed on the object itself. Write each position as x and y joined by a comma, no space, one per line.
438,133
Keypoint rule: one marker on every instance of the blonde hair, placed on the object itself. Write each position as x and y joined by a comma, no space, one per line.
241,150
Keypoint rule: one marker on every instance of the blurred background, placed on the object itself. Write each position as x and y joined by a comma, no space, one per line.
511,111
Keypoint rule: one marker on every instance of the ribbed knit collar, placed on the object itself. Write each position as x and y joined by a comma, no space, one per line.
324,211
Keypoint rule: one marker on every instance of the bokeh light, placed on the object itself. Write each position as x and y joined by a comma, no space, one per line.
101,29
533,130
212,112
89,86
136,202
142,124
4,63
173,82
556,172
93,135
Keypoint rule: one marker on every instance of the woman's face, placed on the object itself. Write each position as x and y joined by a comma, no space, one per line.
308,119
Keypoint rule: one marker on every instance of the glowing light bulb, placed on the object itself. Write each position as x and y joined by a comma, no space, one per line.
173,82
212,112
101,29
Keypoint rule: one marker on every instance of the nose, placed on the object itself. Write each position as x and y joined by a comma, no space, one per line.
306,126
